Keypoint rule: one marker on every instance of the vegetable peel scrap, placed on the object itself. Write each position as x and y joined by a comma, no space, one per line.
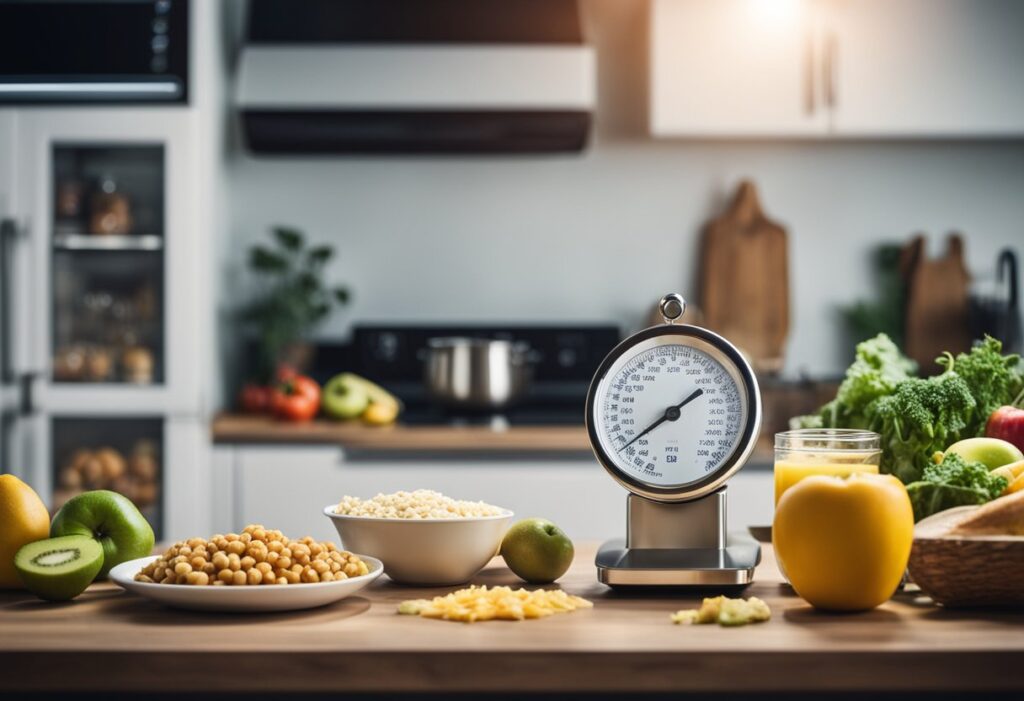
725,612
502,603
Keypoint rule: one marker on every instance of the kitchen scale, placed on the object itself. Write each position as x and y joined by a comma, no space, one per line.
672,413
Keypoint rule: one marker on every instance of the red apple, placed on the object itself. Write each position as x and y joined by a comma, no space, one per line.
1007,423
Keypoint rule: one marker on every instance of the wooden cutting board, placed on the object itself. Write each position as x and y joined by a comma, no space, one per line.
937,295
745,279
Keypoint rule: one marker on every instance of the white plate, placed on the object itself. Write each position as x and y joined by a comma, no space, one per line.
283,597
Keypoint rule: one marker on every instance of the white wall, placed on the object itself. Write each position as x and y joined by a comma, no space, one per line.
602,235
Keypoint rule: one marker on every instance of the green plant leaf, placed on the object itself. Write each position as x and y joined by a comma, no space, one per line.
307,282
264,260
293,298
319,311
319,255
290,239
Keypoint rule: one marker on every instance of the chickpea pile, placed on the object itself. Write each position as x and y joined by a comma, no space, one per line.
256,556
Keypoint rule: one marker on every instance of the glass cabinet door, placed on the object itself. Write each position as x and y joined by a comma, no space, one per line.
121,454
107,265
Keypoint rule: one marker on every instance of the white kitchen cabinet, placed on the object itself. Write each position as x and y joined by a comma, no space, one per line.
836,68
735,67
42,135
928,67
74,290
287,487
54,162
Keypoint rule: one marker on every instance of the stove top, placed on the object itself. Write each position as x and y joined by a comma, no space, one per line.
567,357
531,411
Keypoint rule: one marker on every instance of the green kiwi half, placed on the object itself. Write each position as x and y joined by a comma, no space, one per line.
58,569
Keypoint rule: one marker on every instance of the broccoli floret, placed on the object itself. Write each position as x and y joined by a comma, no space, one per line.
957,472
953,482
920,417
991,376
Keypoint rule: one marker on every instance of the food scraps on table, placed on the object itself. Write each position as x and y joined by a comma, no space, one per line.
494,603
725,612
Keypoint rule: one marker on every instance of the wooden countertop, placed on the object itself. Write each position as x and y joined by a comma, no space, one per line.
399,438
108,640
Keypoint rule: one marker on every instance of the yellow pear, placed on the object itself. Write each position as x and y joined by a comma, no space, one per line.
23,520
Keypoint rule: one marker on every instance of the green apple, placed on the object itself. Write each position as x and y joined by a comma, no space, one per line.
992,452
537,550
345,396
112,520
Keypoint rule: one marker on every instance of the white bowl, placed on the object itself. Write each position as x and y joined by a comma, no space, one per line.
433,551
288,597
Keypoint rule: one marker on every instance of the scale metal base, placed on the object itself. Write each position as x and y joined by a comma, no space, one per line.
678,545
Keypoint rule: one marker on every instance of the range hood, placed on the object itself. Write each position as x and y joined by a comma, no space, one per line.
415,76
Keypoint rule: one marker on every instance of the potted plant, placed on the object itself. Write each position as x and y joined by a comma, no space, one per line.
293,300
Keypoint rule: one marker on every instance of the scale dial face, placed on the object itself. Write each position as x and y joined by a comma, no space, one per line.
673,412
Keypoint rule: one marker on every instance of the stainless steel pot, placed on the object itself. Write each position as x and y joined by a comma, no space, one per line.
477,373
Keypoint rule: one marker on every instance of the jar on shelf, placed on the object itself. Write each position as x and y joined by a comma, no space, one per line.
110,210
137,364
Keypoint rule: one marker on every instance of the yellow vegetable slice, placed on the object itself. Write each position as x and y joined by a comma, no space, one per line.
486,604
1015,486
737,612
1012,473
725,612
685,617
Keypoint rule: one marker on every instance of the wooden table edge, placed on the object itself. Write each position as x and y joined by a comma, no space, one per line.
397,671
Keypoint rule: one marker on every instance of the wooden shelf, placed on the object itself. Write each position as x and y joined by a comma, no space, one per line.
399,438
108,640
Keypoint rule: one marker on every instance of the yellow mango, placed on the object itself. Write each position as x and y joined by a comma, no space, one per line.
844,543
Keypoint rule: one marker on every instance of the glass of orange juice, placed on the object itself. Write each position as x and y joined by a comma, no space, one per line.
823,451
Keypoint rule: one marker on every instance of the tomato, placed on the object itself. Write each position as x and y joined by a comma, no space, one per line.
254,398
296,398
844,543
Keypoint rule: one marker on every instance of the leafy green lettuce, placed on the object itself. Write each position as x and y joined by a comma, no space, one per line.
878,368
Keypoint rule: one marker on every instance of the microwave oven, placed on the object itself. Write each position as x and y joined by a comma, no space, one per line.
93,51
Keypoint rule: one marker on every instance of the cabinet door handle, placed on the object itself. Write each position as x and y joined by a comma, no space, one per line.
829,64
809,91
7,420
8,232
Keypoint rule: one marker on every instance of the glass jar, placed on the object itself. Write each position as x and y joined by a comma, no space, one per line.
839,452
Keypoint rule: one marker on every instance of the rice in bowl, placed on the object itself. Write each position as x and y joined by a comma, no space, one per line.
418,504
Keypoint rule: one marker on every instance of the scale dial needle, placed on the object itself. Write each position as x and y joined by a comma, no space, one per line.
672,413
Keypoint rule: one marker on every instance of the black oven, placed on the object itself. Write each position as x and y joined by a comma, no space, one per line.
93,51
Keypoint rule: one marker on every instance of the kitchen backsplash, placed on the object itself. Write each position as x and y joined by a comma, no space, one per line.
596,237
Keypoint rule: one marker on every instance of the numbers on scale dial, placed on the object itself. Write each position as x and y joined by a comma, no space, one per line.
679,450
